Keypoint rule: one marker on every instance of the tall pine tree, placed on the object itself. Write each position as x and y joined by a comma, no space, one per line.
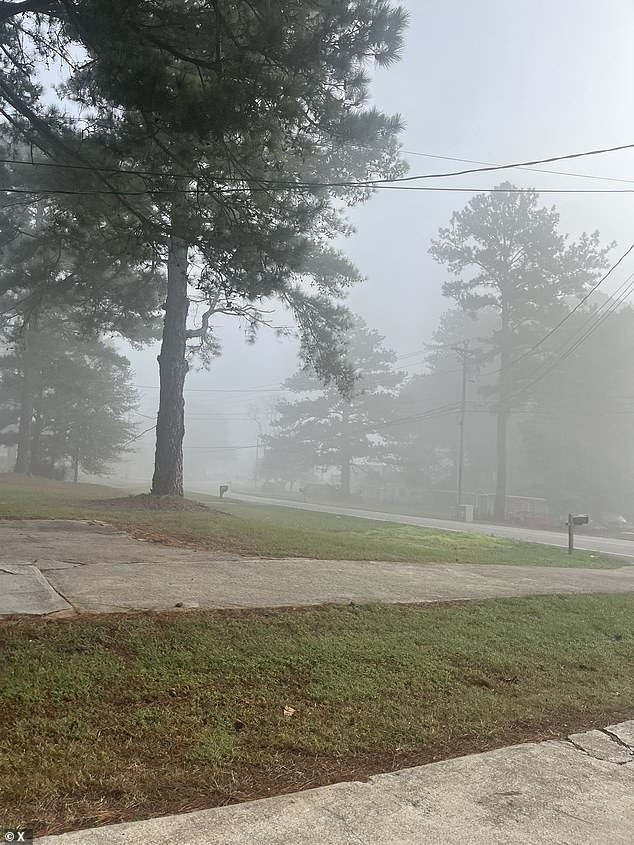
504,252
248,130
322,428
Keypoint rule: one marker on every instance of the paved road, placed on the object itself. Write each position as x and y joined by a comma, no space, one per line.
577,792
609,545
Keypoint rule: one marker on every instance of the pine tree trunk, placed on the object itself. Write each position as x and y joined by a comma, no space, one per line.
170,424
77,451
36,438
345,454
25,426
345,478
499,507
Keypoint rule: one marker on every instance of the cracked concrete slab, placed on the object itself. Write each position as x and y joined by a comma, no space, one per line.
548,793
100,569
24,590
43,564
598,744
15,566
623,732
278,583
81,542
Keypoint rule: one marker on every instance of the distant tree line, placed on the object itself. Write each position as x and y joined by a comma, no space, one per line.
550,389
80,402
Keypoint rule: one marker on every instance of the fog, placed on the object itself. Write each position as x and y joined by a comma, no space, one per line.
486,83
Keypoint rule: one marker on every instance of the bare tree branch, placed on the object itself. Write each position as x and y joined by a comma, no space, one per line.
204,328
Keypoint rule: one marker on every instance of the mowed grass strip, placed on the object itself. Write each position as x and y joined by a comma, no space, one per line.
256,530
114,718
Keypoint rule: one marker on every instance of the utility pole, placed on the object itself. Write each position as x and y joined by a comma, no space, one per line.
464,354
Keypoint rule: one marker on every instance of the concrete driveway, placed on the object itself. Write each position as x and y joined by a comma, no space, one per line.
47,566
574,792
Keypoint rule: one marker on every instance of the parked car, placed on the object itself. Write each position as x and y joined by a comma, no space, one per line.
615,522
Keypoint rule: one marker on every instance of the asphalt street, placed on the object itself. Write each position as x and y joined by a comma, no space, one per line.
609,545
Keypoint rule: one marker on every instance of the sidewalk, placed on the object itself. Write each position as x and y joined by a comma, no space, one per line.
575,792
48,566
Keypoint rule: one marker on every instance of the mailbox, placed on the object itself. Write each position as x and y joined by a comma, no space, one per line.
578,519
223,489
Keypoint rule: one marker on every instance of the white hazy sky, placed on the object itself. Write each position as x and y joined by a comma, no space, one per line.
495,81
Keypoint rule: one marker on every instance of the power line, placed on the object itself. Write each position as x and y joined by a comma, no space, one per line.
577,410
556,328
262,389
435,373
219,448
58,165
306,187
582,339
513,165
361,183
510,190
485,165
528,169
431,413
594,321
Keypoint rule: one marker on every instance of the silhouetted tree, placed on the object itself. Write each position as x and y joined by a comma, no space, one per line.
82,397
504,252
322,428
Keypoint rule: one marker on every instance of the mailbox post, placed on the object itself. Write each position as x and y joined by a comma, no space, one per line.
579,519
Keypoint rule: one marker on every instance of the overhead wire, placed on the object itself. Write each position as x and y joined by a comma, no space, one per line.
527,169
568,315
431,413
350,183
378,183
306,187
262,389
575,345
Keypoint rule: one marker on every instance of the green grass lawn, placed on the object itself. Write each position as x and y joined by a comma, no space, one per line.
116,717
270,531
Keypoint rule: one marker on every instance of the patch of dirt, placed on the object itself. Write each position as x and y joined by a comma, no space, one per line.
295,772
149,502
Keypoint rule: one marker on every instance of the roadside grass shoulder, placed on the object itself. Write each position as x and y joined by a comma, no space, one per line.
261,530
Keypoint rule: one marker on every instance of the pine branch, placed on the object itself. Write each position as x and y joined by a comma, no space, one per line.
72,155
11,10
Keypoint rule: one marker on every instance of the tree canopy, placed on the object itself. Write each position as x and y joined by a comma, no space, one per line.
231,137
82,398
323,428
504,252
